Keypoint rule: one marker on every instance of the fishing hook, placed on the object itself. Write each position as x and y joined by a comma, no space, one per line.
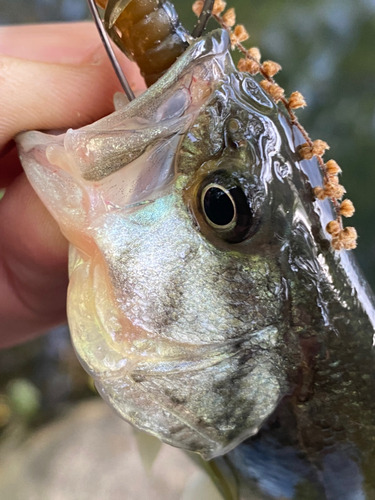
203,18
108,47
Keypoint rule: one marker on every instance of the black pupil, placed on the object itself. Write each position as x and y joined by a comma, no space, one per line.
218,206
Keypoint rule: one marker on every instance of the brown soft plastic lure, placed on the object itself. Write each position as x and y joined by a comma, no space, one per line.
148,31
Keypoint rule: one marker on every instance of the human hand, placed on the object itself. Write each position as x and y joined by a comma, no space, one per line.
51,77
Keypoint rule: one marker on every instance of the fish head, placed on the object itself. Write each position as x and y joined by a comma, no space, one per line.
179,208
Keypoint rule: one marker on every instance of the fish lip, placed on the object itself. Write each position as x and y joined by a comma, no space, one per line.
27,140
192,358
200,438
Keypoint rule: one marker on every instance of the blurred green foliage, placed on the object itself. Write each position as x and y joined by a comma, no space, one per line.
24,398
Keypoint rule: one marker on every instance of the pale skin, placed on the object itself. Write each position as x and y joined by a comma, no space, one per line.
51,77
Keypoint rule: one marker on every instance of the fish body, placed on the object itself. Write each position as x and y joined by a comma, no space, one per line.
204,297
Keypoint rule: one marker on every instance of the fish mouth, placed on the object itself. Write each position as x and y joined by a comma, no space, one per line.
208,404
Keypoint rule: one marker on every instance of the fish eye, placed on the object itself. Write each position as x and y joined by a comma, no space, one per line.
219,206
226,208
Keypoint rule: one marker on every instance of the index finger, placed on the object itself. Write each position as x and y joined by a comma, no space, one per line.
62,43
61,78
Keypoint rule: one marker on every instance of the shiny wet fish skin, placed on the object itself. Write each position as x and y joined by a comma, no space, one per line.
204,335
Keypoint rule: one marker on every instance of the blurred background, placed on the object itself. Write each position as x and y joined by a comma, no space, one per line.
327,51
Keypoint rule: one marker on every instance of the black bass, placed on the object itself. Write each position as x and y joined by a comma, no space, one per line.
205,298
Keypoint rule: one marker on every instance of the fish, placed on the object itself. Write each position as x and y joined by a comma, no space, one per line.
205,298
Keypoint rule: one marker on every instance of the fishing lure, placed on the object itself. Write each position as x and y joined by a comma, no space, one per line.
207,296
